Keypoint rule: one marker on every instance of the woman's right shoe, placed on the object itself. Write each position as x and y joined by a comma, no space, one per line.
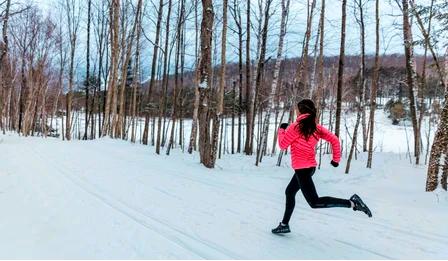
360,205
281,229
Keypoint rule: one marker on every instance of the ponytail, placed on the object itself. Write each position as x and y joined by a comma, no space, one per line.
307,126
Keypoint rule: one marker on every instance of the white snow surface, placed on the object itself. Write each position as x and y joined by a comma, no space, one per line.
113,199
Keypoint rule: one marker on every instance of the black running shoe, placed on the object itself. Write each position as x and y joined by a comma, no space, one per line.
281,229
360,206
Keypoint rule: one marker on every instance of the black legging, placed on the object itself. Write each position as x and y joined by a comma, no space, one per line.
302,179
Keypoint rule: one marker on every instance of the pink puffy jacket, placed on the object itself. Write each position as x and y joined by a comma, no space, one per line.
303,152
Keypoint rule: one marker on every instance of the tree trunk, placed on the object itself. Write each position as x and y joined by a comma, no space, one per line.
341,70
274,86
301,79
232,144
153,73
361,84
110,106
179,34
5,70
319,97
249,109
87,81
426,37
204,73
422,85
136,82
194,124
439,152
411,78
259,76
236,12
374,87
120,123
218,117
162,98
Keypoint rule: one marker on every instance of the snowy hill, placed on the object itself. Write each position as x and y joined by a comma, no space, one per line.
111,199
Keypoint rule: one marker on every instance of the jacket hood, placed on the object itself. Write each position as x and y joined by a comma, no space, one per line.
302,116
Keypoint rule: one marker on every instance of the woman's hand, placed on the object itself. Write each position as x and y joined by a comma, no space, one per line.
284,126
334,163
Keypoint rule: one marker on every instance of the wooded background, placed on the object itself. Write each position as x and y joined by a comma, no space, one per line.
139,70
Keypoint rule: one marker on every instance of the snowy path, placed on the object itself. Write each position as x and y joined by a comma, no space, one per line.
111,199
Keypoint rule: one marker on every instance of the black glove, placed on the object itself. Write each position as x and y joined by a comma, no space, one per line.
284,126
334,164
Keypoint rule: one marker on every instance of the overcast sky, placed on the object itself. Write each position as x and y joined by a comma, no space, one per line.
390,20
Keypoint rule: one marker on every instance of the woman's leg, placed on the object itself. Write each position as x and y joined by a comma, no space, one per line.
291,191
309,192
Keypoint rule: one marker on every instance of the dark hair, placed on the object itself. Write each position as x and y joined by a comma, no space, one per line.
307,126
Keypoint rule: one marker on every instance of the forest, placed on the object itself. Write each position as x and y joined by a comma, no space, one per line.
137,70
117,85
152,128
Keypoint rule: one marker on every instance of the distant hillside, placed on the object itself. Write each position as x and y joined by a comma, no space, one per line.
290,66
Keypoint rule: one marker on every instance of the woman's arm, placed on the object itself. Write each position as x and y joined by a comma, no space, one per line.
333,140
287,136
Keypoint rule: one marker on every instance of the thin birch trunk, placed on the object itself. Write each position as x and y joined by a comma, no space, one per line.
374,87
341,70
218,117
275,79
165,80
361,84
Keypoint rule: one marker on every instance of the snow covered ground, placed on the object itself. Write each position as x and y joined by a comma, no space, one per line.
113,199
388,138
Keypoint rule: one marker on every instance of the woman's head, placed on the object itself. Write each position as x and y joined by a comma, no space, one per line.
306,106
307,126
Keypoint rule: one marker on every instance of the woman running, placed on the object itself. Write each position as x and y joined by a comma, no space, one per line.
303,136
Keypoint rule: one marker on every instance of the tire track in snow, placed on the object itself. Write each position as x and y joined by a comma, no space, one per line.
434,238
242,189
273,197
139,216
226,186
363,249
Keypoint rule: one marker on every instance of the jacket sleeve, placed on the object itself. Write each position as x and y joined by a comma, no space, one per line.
333,140
286,137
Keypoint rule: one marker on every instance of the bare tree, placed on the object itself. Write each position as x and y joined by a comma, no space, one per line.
73,12
204,73
194,124
236,13
319,97
111,102
259,75
136,79
153,70
361,81
438,160
411,78
101,35
87,80
128,41
341,70
422,86
274,86
218,117
5,71
179,35
374,87
439,150
249,112
162,100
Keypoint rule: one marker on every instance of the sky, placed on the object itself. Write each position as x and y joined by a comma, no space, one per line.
390,23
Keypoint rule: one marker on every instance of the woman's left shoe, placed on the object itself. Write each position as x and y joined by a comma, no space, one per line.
360,205
281,229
